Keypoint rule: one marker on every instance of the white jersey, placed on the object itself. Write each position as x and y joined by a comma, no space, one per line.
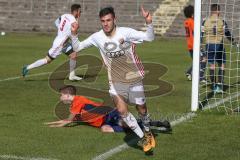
123,65
64,24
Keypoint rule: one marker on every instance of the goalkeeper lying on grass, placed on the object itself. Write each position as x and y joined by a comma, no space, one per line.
94,114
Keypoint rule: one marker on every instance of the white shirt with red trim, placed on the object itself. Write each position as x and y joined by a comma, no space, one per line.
121,60
64,25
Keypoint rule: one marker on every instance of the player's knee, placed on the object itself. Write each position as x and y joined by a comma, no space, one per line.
107,129
48,59
122,110
121,105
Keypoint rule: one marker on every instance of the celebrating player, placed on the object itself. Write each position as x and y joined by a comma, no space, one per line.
60,44
94,114
125,70
213,30
189,27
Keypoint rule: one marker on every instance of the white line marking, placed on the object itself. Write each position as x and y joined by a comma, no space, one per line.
221,101
125,146
18,77
183,118
12,157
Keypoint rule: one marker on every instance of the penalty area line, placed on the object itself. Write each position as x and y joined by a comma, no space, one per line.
13,157
125,146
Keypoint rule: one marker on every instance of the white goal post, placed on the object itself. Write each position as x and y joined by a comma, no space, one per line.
196,56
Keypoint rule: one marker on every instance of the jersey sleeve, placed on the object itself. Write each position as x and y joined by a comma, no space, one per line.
57,22
72,19
140,36
227,32
78,46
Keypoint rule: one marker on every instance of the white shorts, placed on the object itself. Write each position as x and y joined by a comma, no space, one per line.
57,47
132,93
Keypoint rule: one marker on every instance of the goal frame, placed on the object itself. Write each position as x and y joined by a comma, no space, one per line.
196,55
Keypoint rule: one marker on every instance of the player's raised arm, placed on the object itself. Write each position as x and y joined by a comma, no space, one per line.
140,36
146,15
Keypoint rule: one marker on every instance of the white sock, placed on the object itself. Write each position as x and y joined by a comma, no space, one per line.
131,121
37,63
72,66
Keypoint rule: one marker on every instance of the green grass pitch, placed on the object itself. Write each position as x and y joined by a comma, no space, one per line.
26,104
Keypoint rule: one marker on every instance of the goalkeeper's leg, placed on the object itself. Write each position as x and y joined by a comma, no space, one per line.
203,62
221,73
189,70
212,75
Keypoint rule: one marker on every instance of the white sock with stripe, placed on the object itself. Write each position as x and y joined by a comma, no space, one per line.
37,63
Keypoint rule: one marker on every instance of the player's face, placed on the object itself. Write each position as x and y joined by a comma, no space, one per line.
108,23
65,98
78,13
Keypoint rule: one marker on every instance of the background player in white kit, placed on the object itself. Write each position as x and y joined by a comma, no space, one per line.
60,44
125,71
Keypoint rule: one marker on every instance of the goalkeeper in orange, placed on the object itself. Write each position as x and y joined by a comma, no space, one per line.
189,28
95,114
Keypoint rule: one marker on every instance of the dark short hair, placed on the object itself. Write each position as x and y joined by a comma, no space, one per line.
107,10
68,89
75,7
188,11
215,7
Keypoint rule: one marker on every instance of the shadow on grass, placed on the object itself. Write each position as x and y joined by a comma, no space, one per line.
132,140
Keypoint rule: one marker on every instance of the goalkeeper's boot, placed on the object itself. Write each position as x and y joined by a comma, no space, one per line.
219,89
24,71
161,125
214,88
202,80
145,143
167,125
189,76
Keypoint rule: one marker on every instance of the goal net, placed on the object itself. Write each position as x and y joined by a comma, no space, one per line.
222,73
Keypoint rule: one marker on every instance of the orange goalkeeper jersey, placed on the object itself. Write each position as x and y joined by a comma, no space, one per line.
85,108
189,27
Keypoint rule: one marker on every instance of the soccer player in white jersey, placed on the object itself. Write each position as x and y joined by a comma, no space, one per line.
125,70
60,44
